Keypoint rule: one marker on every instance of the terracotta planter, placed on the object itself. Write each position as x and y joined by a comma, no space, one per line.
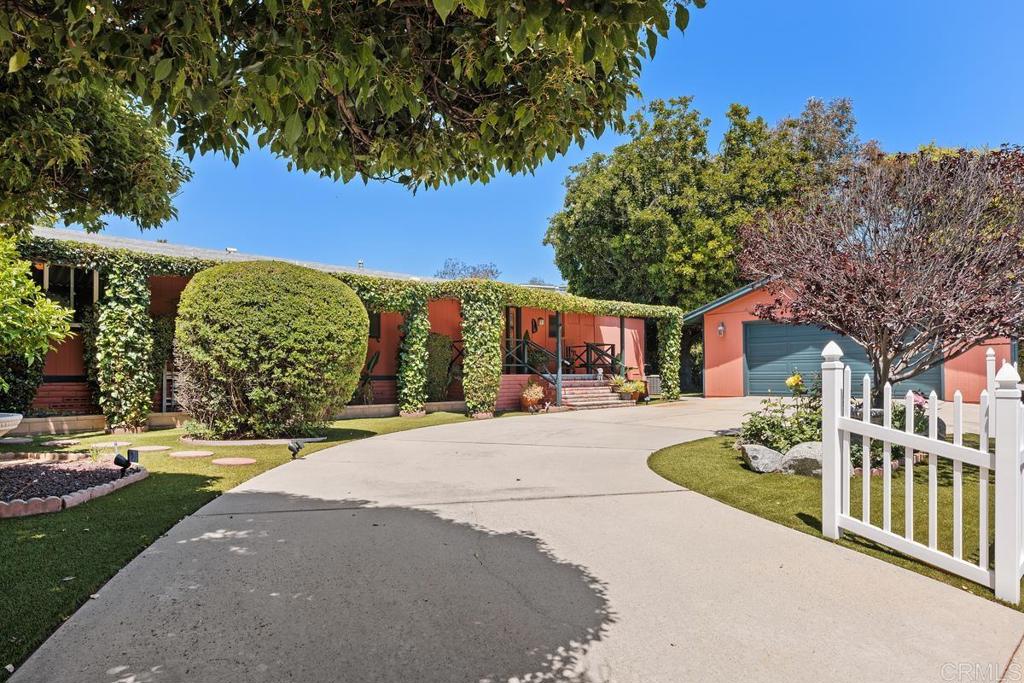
636,395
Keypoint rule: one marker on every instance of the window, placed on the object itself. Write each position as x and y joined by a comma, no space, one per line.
76,288
552,326
375,326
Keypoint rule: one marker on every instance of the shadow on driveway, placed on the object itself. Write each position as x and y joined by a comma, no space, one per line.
333,591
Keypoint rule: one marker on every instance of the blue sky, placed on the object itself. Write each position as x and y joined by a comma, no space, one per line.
917,71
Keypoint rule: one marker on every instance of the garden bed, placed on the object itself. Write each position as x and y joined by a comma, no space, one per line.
33,486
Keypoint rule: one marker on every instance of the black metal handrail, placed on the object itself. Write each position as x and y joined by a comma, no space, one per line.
590,356
526,355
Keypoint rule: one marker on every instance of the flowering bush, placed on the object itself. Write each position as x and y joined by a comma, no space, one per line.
533,391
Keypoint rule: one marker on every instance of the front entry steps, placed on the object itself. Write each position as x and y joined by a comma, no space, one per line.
587,392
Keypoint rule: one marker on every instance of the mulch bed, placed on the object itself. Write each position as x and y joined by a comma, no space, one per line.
30,479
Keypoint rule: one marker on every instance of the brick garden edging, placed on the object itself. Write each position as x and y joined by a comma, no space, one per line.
38,506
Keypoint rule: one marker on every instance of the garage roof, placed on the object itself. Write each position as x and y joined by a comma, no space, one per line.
696,315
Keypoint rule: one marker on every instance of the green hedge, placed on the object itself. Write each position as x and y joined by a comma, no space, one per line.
482,304
267,349
23,379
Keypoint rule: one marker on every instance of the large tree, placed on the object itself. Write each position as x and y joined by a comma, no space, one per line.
77,153
915,257
656,220
455,269
421,91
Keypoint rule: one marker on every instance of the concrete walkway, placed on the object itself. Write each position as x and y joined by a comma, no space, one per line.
517,549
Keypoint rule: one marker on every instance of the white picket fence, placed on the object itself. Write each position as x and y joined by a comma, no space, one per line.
1001,419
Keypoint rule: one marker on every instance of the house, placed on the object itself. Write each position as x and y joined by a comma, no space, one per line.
747,356
562,340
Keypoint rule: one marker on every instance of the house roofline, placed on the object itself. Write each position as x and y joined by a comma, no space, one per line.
696,315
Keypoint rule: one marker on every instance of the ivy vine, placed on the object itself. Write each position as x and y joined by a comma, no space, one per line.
124,347
482,303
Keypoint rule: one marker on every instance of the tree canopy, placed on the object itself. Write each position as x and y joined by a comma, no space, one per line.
79,153
916,257
421,91
457,269
656,220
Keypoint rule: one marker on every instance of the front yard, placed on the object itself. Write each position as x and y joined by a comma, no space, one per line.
715,469
52,563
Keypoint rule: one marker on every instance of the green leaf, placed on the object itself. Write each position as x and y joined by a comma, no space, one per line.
293,129
306,4
682,17
17,61
701,4
444,8
163,69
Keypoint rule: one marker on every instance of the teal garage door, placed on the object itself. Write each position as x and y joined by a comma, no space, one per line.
773,351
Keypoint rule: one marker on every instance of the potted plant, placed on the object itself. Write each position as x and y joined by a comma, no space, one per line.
637,389
532,396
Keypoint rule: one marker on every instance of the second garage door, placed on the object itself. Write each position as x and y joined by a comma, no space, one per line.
772,352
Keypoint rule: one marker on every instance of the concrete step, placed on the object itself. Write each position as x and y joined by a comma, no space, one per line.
601,403
595,406
588,391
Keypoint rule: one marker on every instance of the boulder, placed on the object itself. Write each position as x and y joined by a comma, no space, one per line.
761,458
803,458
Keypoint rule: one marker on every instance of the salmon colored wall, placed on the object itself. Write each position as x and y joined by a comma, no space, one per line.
67,359
390,333
723,356
967,372
445,317
164,293
578,328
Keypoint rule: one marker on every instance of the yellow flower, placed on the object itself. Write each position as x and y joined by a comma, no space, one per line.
794,381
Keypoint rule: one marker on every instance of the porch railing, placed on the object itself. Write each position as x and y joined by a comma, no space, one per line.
591,356
526,355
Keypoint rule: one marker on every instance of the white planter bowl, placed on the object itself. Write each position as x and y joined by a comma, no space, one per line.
9,421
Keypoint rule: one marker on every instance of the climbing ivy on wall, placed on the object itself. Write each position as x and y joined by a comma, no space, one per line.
670,332
124,345
412,359
482,310
482,303
163,346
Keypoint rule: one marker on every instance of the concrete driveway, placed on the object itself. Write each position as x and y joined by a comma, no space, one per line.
517,549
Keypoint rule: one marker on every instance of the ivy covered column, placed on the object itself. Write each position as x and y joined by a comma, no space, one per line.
412,358
670,333
481,338
124,344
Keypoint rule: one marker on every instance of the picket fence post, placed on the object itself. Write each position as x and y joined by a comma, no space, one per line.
1008,484
831,467
990,385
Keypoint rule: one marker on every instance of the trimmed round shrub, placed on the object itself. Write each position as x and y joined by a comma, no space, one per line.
267,349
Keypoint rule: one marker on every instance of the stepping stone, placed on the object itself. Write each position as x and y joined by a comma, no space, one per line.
234,462
58,443
110,444
191,454
15,439
151,449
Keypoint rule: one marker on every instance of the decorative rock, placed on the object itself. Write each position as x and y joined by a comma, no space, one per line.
411,413
761,458
803,458
234,462
111,444
191,454
15,440
61,443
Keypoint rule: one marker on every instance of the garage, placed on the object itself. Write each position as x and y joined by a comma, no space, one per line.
773,351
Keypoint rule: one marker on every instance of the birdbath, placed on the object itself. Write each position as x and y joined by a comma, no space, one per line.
9,421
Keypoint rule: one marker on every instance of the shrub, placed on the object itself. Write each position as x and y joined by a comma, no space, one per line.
439,358
23,380
533,391
267,349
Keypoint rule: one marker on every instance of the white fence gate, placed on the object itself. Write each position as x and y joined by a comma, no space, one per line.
1001,417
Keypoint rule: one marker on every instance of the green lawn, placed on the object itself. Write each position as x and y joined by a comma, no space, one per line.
51,564
714,468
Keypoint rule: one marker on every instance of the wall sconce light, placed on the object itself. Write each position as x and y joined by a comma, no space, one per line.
721,329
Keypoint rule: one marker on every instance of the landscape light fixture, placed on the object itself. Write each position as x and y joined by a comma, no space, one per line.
721,329
295,447
123,463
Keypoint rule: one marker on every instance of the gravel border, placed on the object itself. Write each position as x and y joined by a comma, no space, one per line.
38,506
